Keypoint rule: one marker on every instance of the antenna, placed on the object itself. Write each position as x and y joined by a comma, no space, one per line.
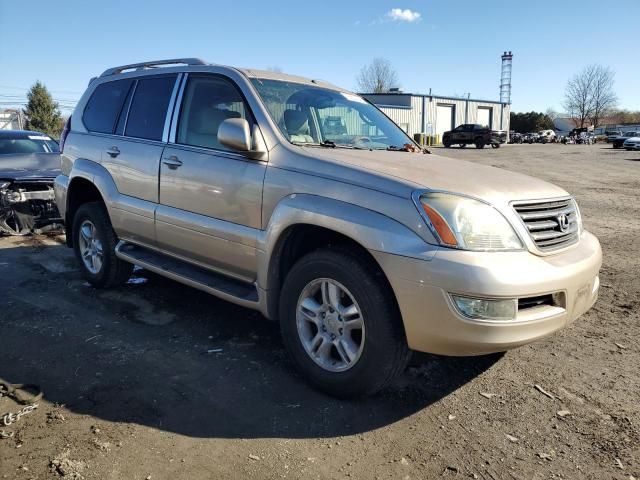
505,78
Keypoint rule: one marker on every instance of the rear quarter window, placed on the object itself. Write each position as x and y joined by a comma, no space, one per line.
149,107
104,106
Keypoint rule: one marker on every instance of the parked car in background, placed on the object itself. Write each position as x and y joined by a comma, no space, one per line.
473,134
618,141
546,136
29,162
362,247
611,134
530,137
632,143
515,137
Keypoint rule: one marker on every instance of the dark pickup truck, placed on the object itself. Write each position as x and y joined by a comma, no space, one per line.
479,135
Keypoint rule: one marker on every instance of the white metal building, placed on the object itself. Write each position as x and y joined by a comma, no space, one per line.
11,120
434,115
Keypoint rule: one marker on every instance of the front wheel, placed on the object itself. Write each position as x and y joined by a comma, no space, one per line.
94,243
495,145
340,323
446,143
479,143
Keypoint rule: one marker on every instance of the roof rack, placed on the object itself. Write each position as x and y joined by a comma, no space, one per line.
152,64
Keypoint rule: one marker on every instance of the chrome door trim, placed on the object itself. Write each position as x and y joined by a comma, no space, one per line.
175,111
171,108
128,106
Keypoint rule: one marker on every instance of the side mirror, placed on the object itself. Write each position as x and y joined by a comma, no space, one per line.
235,134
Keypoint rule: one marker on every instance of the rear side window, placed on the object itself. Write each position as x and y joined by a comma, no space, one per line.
103,107
149,107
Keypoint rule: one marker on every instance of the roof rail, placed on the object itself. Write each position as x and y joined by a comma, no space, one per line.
152,64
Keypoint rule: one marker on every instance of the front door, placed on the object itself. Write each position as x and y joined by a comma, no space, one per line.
210,209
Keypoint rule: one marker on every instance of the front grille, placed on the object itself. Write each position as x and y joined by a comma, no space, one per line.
551,224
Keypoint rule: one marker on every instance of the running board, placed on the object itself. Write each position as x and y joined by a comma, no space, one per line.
221,286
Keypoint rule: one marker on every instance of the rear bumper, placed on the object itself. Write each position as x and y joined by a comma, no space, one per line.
434,325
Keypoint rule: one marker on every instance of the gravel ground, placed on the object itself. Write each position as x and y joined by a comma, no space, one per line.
159,381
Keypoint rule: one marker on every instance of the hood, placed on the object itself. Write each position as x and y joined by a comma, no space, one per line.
29,166
415,171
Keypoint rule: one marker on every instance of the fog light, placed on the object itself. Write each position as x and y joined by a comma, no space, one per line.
486,309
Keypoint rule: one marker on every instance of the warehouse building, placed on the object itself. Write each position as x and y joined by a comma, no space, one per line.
433,115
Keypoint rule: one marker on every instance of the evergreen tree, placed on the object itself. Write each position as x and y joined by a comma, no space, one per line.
43,114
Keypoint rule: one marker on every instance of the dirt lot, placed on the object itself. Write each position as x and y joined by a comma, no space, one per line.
156,380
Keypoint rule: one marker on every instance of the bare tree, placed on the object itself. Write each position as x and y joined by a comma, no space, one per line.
603,98
577,97
589,95
377,77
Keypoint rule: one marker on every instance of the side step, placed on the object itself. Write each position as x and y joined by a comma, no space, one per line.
235,291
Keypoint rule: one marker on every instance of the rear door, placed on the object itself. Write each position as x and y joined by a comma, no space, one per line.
127,119
210,208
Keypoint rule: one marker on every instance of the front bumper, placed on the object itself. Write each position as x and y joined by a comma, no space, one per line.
432,324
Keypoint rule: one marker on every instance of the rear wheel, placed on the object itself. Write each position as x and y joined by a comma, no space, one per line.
340,323
479,143
94,243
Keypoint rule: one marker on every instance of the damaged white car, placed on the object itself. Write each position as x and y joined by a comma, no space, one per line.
29,161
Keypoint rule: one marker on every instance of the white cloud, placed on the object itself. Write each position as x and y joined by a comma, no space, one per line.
400,15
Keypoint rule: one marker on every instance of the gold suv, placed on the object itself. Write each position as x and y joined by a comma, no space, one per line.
304,201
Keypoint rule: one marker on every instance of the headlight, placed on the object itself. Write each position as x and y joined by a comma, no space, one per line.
578,218
468,224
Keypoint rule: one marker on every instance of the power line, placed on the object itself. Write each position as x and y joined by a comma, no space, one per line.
10,87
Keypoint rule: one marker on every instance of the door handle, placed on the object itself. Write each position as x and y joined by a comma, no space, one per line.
114,152
172,162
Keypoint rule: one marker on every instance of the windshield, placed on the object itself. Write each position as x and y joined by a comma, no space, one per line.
29,144
319,116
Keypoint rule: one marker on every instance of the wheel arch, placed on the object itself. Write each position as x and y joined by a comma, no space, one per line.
303,223
88,182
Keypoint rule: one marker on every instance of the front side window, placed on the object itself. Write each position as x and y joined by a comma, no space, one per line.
208,101
101,113
320,116
149,107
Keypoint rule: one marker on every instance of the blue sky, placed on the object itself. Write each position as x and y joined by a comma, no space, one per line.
452,47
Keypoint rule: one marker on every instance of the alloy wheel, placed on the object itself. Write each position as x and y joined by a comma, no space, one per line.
330,325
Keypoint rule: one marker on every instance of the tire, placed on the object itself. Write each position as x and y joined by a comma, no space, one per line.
382,351
616,146
446,143
111,270
479,143
495,145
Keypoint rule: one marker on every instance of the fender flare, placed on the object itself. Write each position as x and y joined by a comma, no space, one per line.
372,230
98,176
